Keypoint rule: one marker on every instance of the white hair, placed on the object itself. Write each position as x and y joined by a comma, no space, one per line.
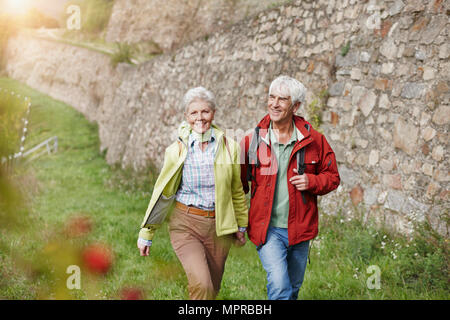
199,93
289,86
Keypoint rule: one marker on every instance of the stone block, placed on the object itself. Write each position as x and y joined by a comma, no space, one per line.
405,136
420,55
384,102
443,51
427,169
382,84
367,102
349,60
336,89
428,73
357,195
396,7
432,189
395,200
393,181
387,68
428,133
364,56
413,90
438,153
433,29
355,74
442,115
389,49
371,195
373,157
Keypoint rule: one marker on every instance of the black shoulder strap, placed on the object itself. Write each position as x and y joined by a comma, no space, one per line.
301,160
252,154
301,156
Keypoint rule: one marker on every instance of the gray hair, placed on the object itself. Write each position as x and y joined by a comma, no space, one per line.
289,86
199,93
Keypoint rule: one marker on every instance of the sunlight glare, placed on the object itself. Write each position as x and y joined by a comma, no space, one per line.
15,7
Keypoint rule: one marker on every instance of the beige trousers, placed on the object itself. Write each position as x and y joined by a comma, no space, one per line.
201,253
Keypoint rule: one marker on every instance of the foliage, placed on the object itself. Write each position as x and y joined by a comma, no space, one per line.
95,14
315,108
411,268
122,54
12,119
345,49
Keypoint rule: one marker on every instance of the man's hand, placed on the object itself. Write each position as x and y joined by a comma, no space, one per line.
240,239
300,181
143,249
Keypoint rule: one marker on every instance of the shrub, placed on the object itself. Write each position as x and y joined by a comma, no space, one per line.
95,14
123,54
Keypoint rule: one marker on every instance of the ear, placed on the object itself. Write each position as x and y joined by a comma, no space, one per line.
296,106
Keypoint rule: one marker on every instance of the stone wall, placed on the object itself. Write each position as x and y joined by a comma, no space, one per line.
384,64
75,75
173,23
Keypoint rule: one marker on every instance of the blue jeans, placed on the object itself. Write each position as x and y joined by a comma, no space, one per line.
285,265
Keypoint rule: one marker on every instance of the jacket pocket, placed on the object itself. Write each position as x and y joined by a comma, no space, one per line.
311,162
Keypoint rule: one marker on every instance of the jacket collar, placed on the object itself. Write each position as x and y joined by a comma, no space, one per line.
299,122
184,130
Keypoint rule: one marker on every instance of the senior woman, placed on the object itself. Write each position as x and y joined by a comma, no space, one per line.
200,183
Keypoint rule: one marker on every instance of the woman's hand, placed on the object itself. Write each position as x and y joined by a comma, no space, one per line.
241,240
143,249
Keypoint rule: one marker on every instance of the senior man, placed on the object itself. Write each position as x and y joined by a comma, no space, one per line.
289,164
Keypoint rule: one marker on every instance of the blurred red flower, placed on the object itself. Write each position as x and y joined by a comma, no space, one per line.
97,258
78,226
131,294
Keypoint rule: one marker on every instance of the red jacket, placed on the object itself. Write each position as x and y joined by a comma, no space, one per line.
322,172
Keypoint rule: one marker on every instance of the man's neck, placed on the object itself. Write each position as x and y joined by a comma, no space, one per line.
283,131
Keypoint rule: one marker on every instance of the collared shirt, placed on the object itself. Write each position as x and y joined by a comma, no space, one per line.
197,186
280,207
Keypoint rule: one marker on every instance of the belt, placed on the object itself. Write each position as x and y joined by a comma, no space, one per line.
194,210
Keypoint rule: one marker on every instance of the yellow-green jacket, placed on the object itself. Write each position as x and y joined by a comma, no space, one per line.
230,205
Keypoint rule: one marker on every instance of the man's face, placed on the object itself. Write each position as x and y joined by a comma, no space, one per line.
280,106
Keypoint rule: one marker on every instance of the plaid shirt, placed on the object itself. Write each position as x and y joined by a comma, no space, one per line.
197,186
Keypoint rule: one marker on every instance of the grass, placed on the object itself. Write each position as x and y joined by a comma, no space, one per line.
77,181
95,14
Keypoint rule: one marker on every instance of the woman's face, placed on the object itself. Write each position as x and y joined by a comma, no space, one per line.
199,115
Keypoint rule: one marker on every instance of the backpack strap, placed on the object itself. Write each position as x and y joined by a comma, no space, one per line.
253,155
301,162
228,148
180,146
